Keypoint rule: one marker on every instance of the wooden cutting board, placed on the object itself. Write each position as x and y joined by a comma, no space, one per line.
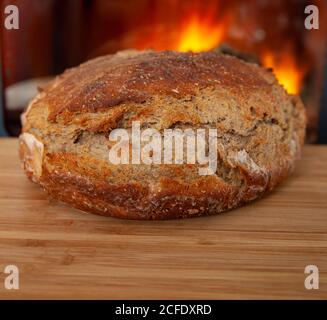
258,251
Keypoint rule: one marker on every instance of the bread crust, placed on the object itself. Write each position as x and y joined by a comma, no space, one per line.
261,132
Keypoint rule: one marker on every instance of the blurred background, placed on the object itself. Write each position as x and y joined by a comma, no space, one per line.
56,34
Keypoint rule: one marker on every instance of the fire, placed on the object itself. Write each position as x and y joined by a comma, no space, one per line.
287,72
199,35
203,34
203,30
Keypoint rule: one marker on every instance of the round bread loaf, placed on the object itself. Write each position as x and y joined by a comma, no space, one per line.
64,144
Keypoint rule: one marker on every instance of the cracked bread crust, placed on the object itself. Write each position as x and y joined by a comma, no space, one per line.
64,144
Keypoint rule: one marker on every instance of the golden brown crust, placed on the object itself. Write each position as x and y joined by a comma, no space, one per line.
111,80
64,145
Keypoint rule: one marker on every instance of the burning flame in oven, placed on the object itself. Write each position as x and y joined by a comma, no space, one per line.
199,35
288,73
203,35
203,32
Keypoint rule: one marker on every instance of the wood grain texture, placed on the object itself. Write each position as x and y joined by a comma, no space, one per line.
258,251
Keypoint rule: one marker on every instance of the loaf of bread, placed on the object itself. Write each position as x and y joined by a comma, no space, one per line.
64,145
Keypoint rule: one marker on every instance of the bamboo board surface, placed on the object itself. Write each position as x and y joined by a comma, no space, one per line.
257,251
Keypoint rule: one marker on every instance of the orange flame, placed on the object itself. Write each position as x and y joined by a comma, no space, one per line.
287,72
203,34
203,31
200,35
